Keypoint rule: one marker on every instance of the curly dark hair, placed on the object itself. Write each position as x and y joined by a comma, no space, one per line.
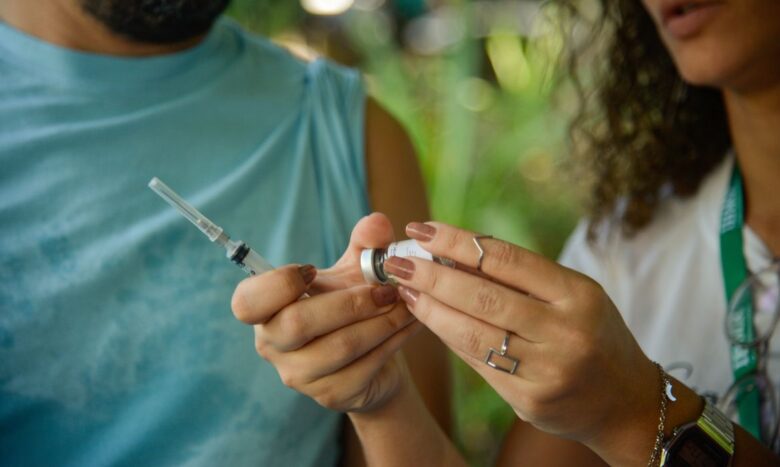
644,133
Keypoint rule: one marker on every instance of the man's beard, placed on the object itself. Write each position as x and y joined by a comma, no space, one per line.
157,21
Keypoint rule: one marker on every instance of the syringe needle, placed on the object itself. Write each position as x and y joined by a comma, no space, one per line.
238,252
212,230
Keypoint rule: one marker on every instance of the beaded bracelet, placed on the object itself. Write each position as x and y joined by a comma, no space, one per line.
659,436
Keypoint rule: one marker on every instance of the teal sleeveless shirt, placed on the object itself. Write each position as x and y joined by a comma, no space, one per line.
117,343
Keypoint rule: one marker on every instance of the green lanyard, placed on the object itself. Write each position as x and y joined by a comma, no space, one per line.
744,360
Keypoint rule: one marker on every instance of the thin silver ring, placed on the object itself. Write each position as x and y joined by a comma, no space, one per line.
477,238
505,344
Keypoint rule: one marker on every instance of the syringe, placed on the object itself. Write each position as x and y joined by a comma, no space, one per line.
238,251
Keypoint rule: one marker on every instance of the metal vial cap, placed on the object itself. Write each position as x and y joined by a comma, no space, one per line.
370,267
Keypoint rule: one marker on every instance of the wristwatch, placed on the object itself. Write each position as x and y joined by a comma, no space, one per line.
707,442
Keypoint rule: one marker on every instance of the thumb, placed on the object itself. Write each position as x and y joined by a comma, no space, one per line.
372,231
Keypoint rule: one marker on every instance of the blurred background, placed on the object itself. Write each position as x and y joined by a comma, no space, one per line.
478,86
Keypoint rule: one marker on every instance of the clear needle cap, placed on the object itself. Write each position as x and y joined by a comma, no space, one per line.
212,230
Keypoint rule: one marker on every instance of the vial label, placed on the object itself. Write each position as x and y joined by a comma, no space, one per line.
408,248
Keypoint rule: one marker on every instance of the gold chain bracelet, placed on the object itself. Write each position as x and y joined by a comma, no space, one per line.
659,436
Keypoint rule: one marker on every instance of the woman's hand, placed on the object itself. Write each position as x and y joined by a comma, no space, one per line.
338,346
580,373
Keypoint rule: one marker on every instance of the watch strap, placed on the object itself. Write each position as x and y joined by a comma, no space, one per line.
717,426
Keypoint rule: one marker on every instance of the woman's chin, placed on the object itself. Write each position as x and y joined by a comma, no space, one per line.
733,66
710,70
700,66
737,79
702,79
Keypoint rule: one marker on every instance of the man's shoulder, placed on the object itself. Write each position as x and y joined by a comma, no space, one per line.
261,49
288,57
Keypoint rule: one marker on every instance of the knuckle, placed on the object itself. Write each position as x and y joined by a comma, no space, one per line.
395,319
558,383
347,344
432,279
471,340
583,344
289,378
423,308
356,304
585,287
331,399
585,296
534,407
486,299
261,346
523,402
505,255
590,351
327,400
451,242
293,326
592,285
572,289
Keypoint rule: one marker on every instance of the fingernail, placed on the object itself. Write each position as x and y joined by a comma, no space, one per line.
399,267
421,232
308,272
408,295
384,295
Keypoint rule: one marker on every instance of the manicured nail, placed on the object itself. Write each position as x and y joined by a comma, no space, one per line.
384,295
308,272
420,232
399,267
408,295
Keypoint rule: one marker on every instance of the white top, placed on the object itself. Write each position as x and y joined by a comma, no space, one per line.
667,283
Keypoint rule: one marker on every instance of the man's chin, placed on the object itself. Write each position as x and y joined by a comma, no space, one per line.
157,21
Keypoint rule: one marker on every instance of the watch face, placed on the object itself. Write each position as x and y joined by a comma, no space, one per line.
695,449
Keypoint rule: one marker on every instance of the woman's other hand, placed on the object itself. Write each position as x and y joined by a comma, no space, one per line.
580,373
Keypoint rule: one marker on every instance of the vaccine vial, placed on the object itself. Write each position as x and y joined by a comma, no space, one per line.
372,260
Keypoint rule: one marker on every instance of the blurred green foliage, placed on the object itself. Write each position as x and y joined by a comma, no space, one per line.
485,114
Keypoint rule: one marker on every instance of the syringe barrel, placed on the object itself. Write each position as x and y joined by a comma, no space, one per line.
255,264
248,259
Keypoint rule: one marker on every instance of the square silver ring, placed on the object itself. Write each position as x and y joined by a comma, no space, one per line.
511,368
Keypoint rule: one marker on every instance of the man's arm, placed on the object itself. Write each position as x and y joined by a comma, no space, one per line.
395,183
396,188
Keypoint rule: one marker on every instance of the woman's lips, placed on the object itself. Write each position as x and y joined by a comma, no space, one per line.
684,19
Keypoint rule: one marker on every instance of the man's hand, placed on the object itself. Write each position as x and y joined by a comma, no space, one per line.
337,345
